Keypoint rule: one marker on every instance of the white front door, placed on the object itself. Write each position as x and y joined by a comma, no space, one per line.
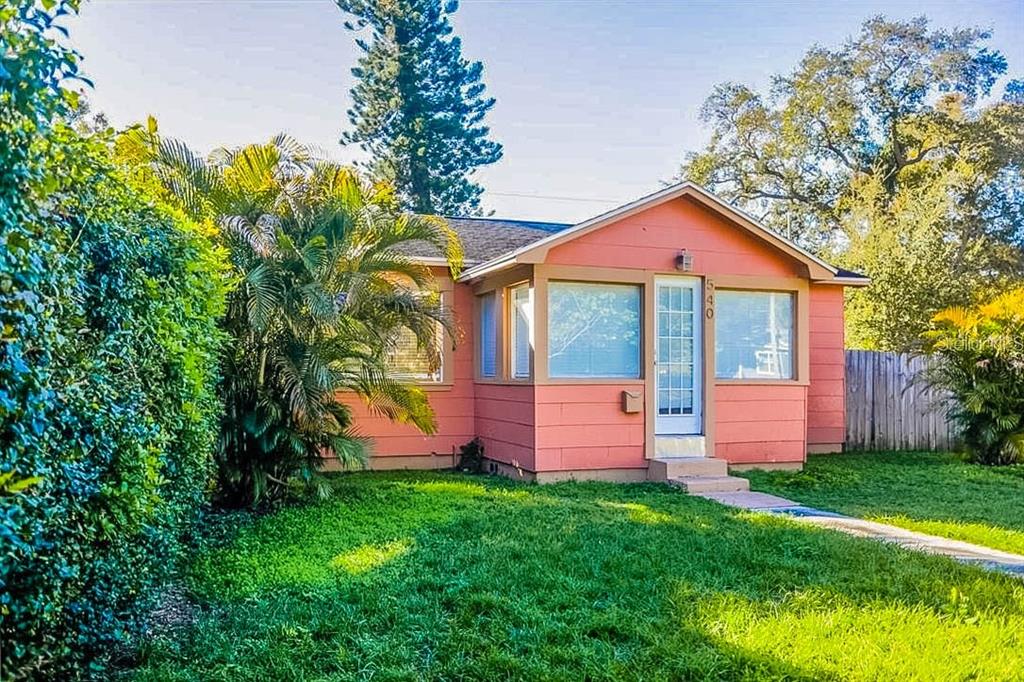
677,356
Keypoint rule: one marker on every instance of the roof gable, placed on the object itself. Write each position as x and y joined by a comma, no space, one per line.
652,238
536,251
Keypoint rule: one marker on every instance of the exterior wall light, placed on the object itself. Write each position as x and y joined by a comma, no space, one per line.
684,261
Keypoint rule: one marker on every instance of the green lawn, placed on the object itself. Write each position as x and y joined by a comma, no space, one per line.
442,576
936,493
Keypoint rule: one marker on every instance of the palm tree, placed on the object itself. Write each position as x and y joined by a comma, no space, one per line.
324,291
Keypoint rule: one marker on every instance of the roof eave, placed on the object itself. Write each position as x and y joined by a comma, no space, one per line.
846,281
487,267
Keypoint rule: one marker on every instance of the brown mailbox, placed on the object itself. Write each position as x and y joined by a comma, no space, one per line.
632,402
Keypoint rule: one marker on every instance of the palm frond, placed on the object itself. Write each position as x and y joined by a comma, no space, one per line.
395,400
263,295
259,235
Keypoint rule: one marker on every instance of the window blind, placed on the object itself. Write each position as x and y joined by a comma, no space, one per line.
753,335
488,337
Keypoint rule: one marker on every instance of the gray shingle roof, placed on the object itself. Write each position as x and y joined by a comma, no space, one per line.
843,272
487,238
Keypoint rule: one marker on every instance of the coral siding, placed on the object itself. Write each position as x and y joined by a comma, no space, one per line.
761,423
771,452
650,240
826,396
505,422
453,405
584,427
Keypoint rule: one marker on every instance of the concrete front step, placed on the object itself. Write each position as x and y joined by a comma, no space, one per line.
711,484
680,446
665,468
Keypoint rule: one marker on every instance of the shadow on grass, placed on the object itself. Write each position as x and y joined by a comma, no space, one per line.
448,576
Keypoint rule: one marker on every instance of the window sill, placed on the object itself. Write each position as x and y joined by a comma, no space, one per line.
435,386
431,386
761,382
593,381
492,381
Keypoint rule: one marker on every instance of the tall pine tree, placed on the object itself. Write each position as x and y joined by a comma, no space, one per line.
418,105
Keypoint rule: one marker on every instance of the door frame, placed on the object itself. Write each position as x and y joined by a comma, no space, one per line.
696,285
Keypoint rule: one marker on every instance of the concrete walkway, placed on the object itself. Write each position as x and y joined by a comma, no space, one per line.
961,551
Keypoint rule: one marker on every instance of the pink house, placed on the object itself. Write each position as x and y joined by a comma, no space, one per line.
668,338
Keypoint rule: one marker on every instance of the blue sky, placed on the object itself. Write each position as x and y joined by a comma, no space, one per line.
597,100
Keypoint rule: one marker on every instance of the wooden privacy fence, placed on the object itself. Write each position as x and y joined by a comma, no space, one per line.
889,406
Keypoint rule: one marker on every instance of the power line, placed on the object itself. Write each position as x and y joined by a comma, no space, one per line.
551,197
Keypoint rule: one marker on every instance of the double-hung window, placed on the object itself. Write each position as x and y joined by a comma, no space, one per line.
487,336
593,330
754,334
409,361
520,327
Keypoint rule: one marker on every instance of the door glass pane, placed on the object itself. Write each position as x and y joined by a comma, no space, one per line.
676,351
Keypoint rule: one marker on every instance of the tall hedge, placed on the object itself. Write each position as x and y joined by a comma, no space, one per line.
109,344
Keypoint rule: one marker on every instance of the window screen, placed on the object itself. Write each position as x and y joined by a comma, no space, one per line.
409,362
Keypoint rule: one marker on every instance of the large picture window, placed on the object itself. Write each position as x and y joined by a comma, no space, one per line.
593,330
520,324
488,335
753,335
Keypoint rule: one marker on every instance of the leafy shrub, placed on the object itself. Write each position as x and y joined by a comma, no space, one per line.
471,457
108,367
982,353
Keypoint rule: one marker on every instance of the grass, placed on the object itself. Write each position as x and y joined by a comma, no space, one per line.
935,493
408,576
